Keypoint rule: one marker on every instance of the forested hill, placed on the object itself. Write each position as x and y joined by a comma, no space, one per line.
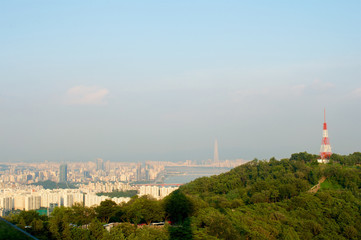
271,181
272,200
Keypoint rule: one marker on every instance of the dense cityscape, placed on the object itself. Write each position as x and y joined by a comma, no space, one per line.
25,186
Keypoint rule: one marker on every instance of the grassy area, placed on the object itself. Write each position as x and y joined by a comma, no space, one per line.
9,233
328,185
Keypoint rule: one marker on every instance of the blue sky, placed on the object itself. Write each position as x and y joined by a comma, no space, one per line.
160,80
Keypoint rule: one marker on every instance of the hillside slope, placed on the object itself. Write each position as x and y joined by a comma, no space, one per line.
271,200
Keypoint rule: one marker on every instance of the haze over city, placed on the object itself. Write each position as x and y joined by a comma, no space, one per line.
159,81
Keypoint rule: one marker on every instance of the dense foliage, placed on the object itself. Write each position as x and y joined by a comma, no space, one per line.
128,193
9,233
258,200
54,185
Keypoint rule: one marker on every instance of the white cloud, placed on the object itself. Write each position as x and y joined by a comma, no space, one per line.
273,92
86,95
356,93
318,85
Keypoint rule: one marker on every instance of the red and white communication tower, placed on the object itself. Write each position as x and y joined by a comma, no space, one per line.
325,151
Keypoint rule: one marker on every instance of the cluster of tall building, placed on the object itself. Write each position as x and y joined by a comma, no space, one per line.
79,172
33,200
156,191
145,173
97,171
106,186
19,173
21,202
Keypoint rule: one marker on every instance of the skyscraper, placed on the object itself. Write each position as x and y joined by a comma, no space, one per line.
100,164
147,178
139,172
63,173
216,158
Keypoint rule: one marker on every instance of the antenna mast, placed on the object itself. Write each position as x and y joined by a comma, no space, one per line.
325,151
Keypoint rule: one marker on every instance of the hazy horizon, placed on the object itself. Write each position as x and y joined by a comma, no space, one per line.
160,81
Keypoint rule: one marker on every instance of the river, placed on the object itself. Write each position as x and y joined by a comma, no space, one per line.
184,174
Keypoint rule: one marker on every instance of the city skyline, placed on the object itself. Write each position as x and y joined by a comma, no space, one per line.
157,81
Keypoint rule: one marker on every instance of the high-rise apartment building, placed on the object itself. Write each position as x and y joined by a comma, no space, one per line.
63,173
139,172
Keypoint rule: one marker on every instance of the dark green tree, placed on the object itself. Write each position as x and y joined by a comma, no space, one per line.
178,206
96,229
81,215
106,210
216,224
78,233
125,228
58,221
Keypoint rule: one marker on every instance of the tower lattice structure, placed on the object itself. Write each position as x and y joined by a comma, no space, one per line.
325,151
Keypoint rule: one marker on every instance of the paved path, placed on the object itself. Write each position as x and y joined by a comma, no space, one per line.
317,187
18,229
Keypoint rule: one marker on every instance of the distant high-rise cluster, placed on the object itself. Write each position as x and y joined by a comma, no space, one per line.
325,151
100,164
143,172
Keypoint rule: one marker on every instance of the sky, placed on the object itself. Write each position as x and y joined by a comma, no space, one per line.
161,80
